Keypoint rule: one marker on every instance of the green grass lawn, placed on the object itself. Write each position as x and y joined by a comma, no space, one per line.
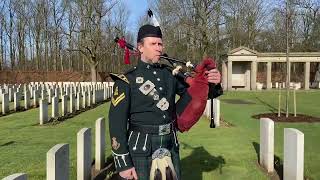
222,153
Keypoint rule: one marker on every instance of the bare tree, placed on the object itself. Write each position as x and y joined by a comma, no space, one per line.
2,29
71,34
20,8
58,12
36,25
90,32
10,33
308,13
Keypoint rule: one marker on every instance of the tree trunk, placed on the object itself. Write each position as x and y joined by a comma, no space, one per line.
31,50
12,53
55,56
83,64
1,48
21,45
38,56
93,69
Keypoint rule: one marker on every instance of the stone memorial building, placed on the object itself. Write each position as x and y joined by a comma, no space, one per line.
239,71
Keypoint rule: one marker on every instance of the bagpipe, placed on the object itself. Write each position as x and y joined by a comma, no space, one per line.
199,88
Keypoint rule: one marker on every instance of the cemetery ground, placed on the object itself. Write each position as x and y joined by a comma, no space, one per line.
229,152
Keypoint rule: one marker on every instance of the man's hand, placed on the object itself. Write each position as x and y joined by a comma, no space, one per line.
129,174
213,76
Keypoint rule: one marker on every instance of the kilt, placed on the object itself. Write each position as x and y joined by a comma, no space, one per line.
142,161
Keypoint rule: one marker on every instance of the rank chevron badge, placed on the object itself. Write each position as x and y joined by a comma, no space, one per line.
116,100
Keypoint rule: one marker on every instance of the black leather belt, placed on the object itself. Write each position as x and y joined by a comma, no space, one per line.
152,129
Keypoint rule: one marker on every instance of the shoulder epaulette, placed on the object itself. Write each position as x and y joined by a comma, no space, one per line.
119,76
130,70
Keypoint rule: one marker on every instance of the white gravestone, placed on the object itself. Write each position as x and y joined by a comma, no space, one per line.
64,105
266,153
43,111
17,176
10,94
5,103
50,95
84,100
58,162
293,160
94,96
16,101
72,103
43,94
84,154
79,101
35,98
55,107
100,144
89,99
26,100
56,93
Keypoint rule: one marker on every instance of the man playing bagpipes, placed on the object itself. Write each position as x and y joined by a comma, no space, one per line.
144,117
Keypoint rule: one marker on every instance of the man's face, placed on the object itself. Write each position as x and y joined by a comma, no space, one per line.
151,49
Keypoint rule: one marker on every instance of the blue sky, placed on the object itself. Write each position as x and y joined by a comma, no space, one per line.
136,8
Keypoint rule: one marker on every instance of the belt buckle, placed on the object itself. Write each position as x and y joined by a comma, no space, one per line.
164,129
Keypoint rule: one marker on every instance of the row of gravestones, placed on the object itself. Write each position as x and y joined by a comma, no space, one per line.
76,103
47,91
215,111
58,156
64,87
293,159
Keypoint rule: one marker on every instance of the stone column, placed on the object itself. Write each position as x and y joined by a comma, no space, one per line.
216,112
224,75
2,91
207,110
229,83
253,75
306,75
269,67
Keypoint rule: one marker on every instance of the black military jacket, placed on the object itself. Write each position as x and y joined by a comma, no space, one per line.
144,95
